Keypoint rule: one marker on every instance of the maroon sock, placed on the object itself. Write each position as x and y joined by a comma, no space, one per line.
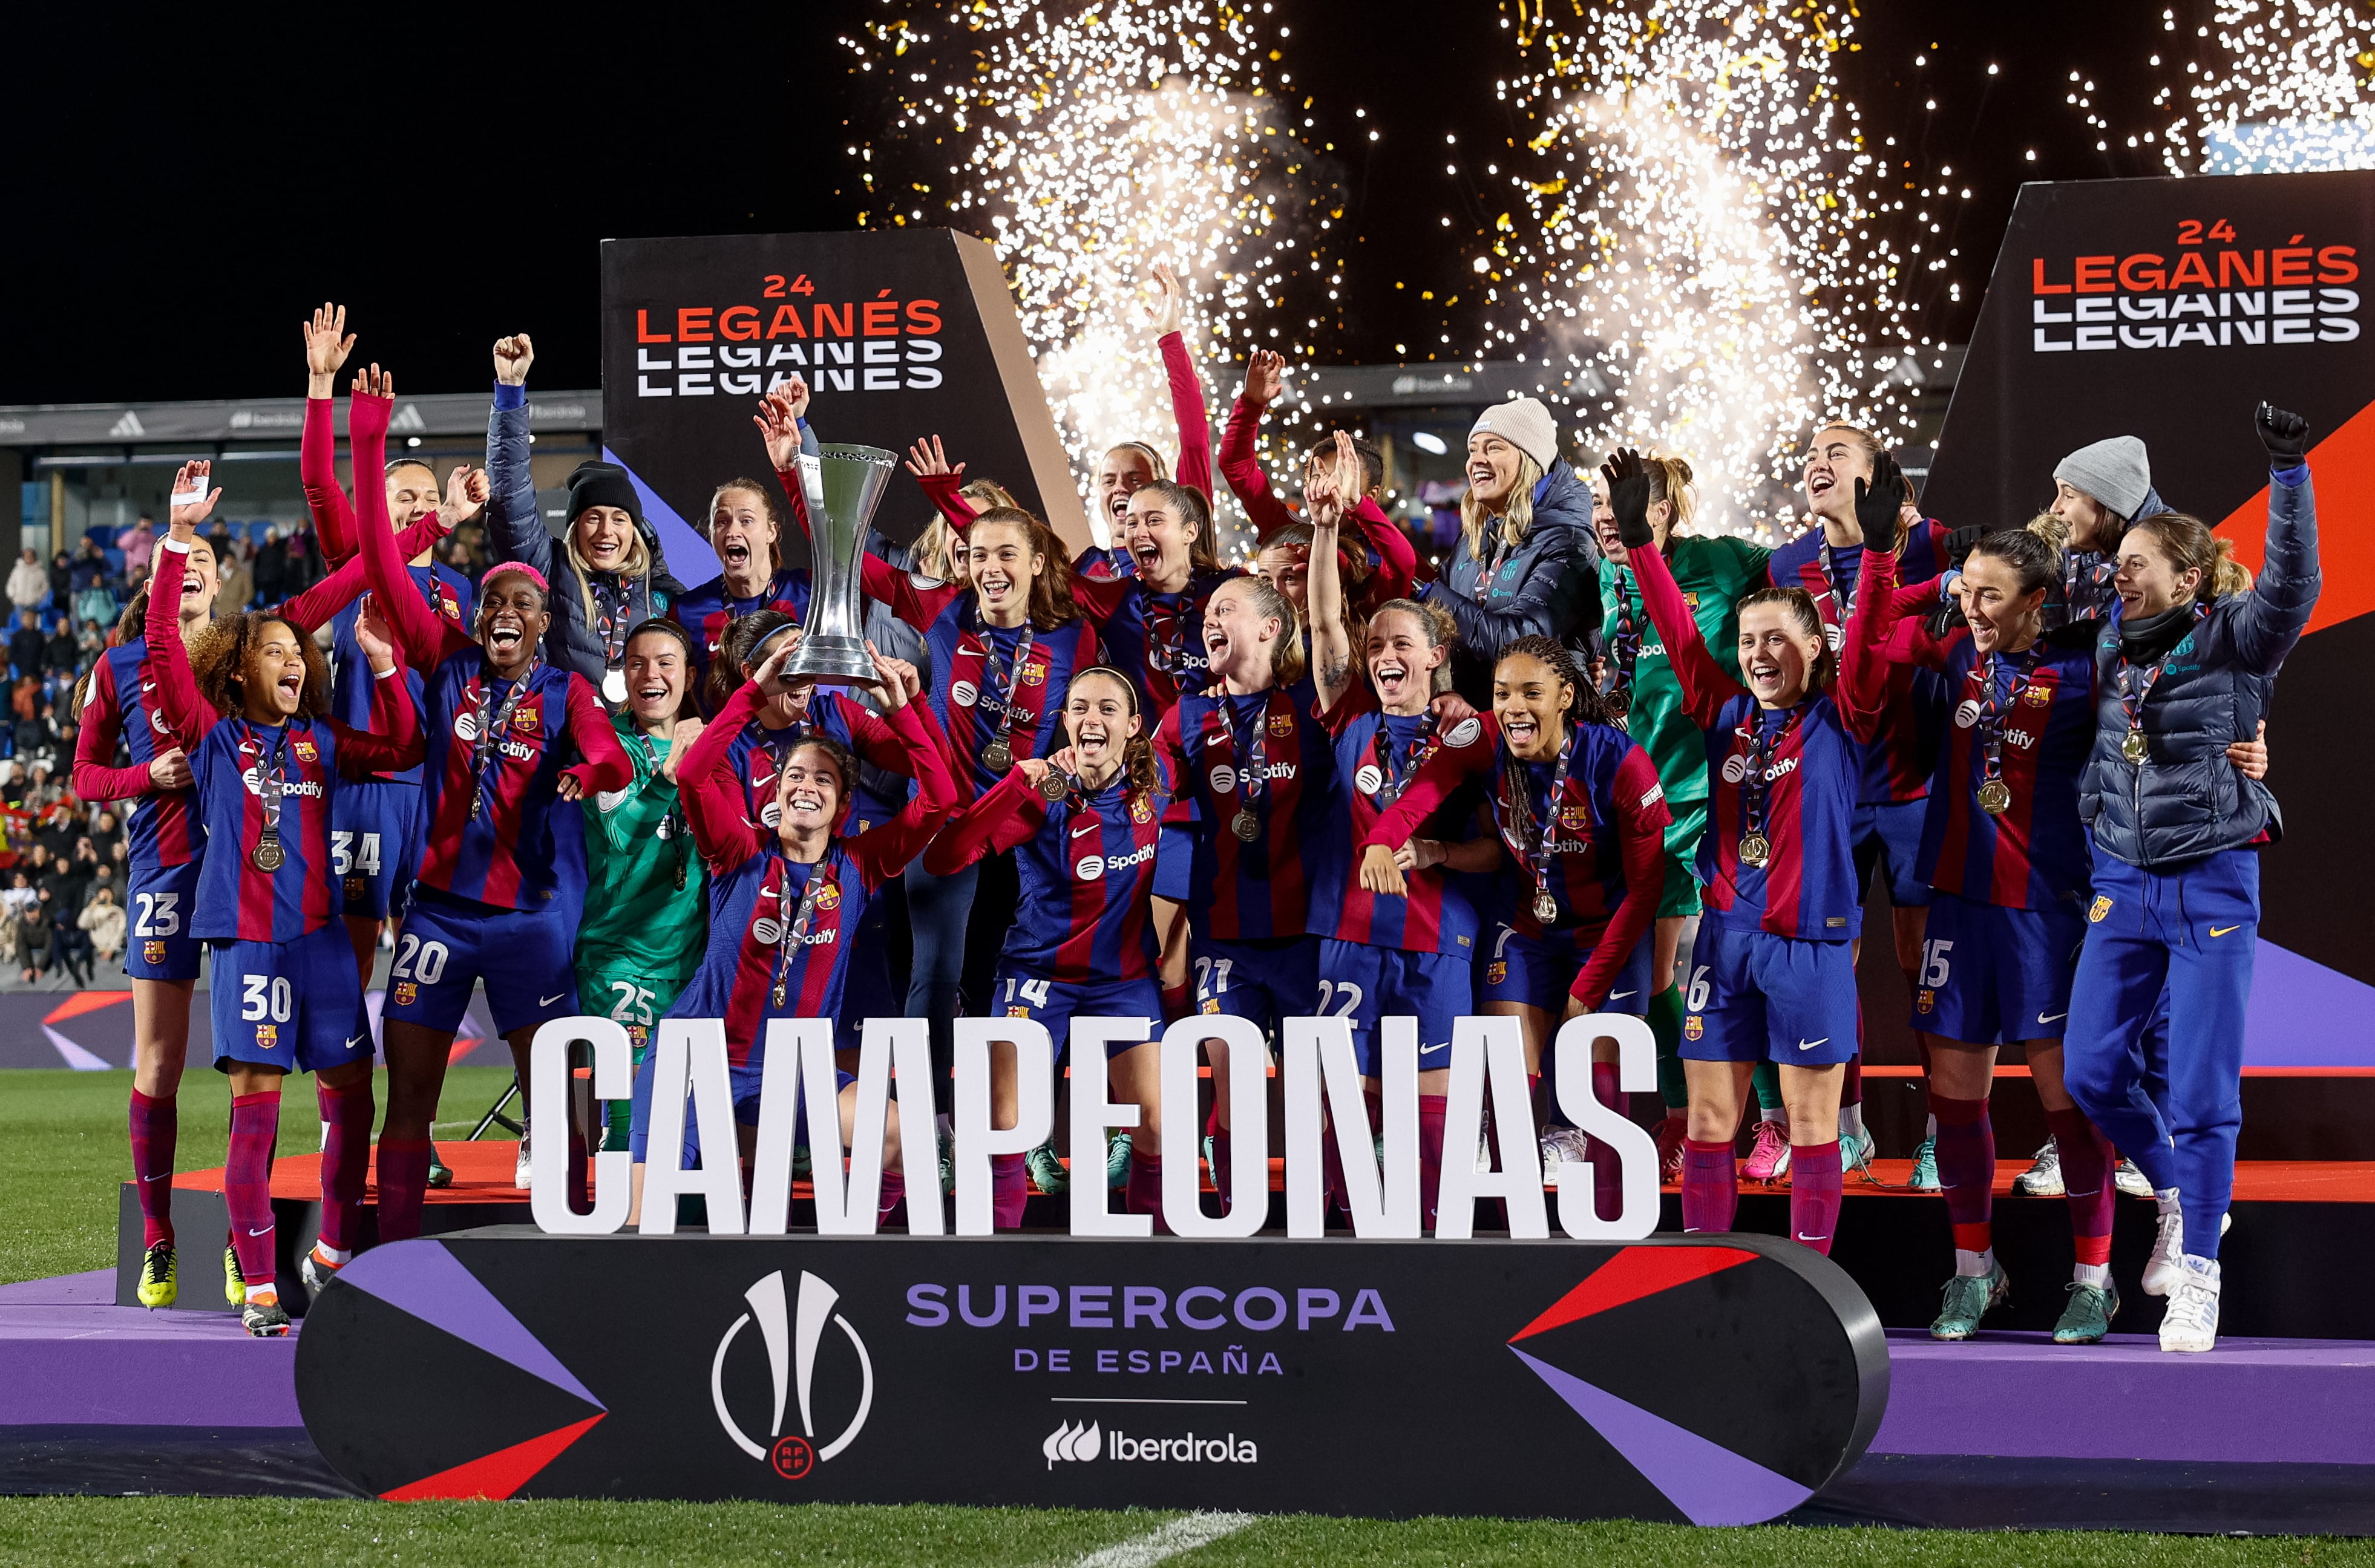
1223,1168
1010,1189
1710,1186
2086,1163
1852,1082
1967,1167
1538,1098
1815,1193
888,1206
1430,1155
1176,1004
1143,1194
156,1127
247,1183
345,1160
403,1183
1331,1167
1607,1171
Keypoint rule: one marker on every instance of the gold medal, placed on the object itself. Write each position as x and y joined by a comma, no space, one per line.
997,755
1545,908
1995,797
267,856
1754,849
1246,825
1055,785
2134,746
614,687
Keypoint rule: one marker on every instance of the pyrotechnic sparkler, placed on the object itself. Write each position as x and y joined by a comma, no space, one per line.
2287,91
1700,219
1089,142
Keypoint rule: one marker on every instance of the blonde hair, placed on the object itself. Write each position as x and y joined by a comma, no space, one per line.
1670,481
2229,576
1517,517
2049,528
1287,663
1441,631
637,564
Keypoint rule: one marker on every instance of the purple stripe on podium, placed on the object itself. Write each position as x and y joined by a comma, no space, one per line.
2305,1015
426,1279
1709,1482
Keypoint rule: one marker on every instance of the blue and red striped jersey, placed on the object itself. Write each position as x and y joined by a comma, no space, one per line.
1087,869
756,892
498,833
1440,913
973,678
1155,639
442,589
1249,890
758,753
121,704
2035,854
1793,775
1898,761
705,612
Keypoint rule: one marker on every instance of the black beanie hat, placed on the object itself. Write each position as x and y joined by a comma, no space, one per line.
603,484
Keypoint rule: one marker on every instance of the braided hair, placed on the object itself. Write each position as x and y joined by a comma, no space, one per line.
1589,707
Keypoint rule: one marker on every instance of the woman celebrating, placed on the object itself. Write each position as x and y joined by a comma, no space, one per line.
2005,851
1524,565
746,531
285,996
644,928
1387,565
1259,767
1081,941
2177,677
607,577
788,902
513,743
1771,974
1645,700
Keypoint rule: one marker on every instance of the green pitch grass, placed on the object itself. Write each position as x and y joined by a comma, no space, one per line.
63,1150
491,1534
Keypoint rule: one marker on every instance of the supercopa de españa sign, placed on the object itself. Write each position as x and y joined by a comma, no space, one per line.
1710,1380
691,1091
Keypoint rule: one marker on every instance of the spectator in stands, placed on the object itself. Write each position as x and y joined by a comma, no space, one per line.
26,644
90,643
61,655
68,942
27,584
92,579
305,559
270,567
103,924
19,894
457,555
138,544
238,583
62,579
34,942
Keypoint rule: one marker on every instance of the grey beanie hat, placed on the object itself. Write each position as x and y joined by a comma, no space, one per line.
1525,424
2115,472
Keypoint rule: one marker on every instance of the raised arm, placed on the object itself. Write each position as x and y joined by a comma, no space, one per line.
1332,645
177,694
1240,457
710,794
1169,311
1862,691
327,344
941,482
393,742
1706,684
2277,611
1009,814
604,766
910,601
884,851
425,637
96,777
1642,817
1397,560
513,525
784,427
313,609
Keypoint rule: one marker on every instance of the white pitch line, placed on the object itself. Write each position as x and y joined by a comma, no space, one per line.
1182,1534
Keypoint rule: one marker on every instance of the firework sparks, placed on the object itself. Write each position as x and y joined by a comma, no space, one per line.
1088,143
2286,92
1697,236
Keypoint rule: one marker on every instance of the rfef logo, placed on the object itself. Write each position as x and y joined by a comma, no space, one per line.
790,1333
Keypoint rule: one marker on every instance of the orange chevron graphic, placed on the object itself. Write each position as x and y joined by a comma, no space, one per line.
2343,465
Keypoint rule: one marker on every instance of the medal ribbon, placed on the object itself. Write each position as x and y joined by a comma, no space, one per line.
672,827
271,776
1762,745
2149,676
484,746
1839,596
1166,633
611,621
1529,842
1627,644
1252,780
1422,749
1992,709
795,924
1013,682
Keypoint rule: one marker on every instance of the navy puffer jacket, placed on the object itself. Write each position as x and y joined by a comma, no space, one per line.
2185,802
1548,585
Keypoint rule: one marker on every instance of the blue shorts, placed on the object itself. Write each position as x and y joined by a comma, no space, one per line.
1538,971
743,1083
374,850
445,946
1263,980
297,1005
1175,863
1018,993
1753,996
1365,983
1991,975
866,989
1890,836
156,942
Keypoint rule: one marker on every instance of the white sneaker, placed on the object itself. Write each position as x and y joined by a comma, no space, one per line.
1483,1156
525,1168
2131,1181
2168,1260
2190,1324
1561,1144
2043,1177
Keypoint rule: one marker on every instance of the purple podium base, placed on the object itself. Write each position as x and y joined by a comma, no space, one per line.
2268,1436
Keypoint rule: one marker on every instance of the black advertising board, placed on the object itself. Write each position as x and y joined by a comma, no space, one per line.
1703,1380
900,334
2167,309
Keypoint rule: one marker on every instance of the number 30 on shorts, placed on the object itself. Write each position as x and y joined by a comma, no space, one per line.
264,997
419,961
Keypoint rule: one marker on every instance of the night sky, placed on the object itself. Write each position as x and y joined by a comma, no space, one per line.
178,194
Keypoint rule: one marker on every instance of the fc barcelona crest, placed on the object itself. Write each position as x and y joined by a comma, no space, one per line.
1694,1027
1282,725
1926,1002
2102,907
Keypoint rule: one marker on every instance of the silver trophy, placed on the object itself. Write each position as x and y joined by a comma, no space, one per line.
843,484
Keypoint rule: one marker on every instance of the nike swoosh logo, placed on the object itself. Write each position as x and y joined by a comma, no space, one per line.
266,1232
547,1001
355,1041
1810,1044
2050,1018
2222,930
1803,1237
1620,996
1086,828
157,1177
